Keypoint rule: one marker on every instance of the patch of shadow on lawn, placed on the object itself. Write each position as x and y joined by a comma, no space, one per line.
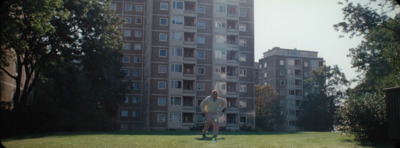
210,138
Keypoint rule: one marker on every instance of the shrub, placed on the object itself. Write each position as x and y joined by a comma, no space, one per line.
364,117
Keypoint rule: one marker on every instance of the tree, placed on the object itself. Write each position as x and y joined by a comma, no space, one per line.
266,98
325,88
36,33
72,50
25,33
378,58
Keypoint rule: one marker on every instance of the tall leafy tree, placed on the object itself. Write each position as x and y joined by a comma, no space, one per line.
39,32
266,99
25,40
325,88
377,57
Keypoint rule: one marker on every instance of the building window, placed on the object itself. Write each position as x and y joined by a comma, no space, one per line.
220,24
282,92
201,24
201,70
291,92
163,6
281,62
175,100
177,20
220,8
137,46
305,64
242,72
126,59
282,72
127,33
242,27
282,82
242,57
126,99
135,100
177,36
136,59
161,101
128,7
134,113
176,84
242,12
201,86
242,42
128,20
243,119
138,34
163,37
127,46
126,71
175,117
202,9
124,113
242,103
177,5
162,85
138,21
200,55
163,21
139,8
163,53
242,88
160,118
176,52
265,65
200,119
265,74
201,39
162,68
136,86
136,73
113,6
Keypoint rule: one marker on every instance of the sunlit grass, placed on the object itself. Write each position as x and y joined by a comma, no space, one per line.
190,139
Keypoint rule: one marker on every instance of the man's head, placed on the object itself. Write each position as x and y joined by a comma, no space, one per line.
214,93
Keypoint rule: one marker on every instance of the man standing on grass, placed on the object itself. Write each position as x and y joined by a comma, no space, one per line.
209,108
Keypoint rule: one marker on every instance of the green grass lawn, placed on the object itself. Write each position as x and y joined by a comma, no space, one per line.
190,139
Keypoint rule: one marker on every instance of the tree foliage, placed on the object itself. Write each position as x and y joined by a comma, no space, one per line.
266,99
72,50
325,88
378,58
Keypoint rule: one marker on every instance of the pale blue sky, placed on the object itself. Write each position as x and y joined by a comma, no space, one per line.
305,25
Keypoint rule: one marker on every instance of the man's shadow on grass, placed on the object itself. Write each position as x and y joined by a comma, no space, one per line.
210,138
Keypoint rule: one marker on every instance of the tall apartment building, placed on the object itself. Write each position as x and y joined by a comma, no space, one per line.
286,69
177,52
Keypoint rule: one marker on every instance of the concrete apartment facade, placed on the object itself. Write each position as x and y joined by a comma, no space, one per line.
286,69
177,52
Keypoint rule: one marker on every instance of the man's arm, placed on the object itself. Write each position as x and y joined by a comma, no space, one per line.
203,104
223,103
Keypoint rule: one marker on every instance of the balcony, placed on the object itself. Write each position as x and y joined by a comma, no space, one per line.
188,70
188,54
190,7
187,117
231,88
232,10
189,38
190,22
188,86
231,71
231,40
232,55
232,25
